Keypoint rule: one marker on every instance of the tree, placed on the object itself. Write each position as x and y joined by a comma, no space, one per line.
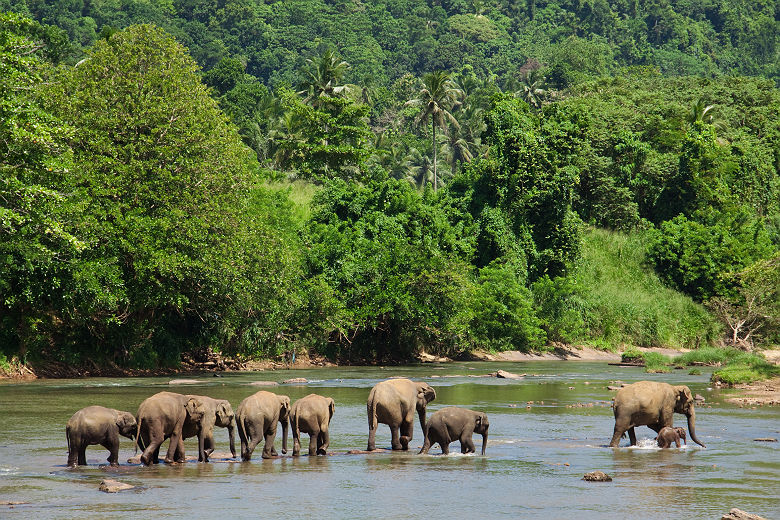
435,100
39,249
322,76
166,181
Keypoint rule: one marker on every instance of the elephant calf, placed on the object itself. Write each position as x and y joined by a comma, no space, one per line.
453,423
312,415
97,425
669,435
256,419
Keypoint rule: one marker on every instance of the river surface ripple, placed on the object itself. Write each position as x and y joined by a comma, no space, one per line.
536,457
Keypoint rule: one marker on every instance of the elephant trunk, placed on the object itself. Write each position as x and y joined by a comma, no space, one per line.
231,433
692,427
421,414
484,441
285,427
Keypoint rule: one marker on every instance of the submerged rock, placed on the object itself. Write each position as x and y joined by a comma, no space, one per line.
264,383
503,374
113,486
738,514
295,381
765,439
597,476
183,382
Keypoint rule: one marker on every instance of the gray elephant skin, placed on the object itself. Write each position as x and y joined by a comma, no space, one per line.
668,436
312,415
218,412
256,419
652,404
97,425
164,416
453,423
393,402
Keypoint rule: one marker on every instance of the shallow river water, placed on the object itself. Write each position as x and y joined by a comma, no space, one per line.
536,455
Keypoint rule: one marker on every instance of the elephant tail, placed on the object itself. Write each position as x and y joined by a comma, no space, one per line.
242,431
67,436
138,436
371,409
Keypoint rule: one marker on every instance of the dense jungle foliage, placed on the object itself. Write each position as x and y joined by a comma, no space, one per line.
369,180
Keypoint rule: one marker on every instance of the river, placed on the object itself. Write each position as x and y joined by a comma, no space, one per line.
537,453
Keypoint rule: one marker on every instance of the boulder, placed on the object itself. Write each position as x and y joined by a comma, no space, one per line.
597,476
264,383
699,398
183,382
613,388
738,514
113,486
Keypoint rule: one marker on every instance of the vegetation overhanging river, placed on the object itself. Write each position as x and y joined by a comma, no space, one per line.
547,430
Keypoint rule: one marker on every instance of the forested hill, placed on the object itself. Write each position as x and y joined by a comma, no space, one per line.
384,40
371,180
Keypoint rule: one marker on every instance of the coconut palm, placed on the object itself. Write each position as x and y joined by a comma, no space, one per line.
435,100
531,90
322,77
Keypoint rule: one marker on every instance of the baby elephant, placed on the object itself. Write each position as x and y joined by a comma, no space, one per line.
453,423
669,435
312,415
97,425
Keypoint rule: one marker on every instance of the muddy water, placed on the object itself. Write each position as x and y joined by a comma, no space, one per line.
536,457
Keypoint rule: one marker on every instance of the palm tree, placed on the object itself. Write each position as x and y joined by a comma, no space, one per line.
701,112
421,169
322,77
435,100
531,90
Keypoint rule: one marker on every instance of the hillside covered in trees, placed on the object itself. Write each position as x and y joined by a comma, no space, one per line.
368,180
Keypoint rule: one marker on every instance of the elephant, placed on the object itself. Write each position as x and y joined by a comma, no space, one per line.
454,423
669,435
393,403
312,415
218,413
256,418
652,404
97,425
165,415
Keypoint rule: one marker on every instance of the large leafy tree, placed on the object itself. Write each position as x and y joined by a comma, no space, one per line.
166,180
38,246
435,101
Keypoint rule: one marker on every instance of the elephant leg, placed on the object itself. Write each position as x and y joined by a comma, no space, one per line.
467,445
83,454
173,448
395,437
296,433
323,441
372,426
445,447
112,445
407,429
620,428
268,449
74,448
632,436
156,456
313,443
208,446
426,446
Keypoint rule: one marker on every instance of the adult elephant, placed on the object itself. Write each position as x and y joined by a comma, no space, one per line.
455,423
97,425
218,412
393,402
652,404
256,419
312,415
164,416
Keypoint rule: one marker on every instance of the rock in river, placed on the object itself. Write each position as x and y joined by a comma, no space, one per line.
597,476
503,374
113,486
738,514
295,381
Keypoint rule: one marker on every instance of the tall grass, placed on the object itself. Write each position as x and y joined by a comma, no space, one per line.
626,303
300,193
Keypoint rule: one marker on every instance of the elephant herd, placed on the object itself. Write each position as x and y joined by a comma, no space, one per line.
176,417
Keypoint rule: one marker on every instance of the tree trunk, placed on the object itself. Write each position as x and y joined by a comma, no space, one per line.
433,127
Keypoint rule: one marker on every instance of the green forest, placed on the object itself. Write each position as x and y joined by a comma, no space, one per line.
367,181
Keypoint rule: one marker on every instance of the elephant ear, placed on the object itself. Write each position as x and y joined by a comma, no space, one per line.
684,399
195,409
224,413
